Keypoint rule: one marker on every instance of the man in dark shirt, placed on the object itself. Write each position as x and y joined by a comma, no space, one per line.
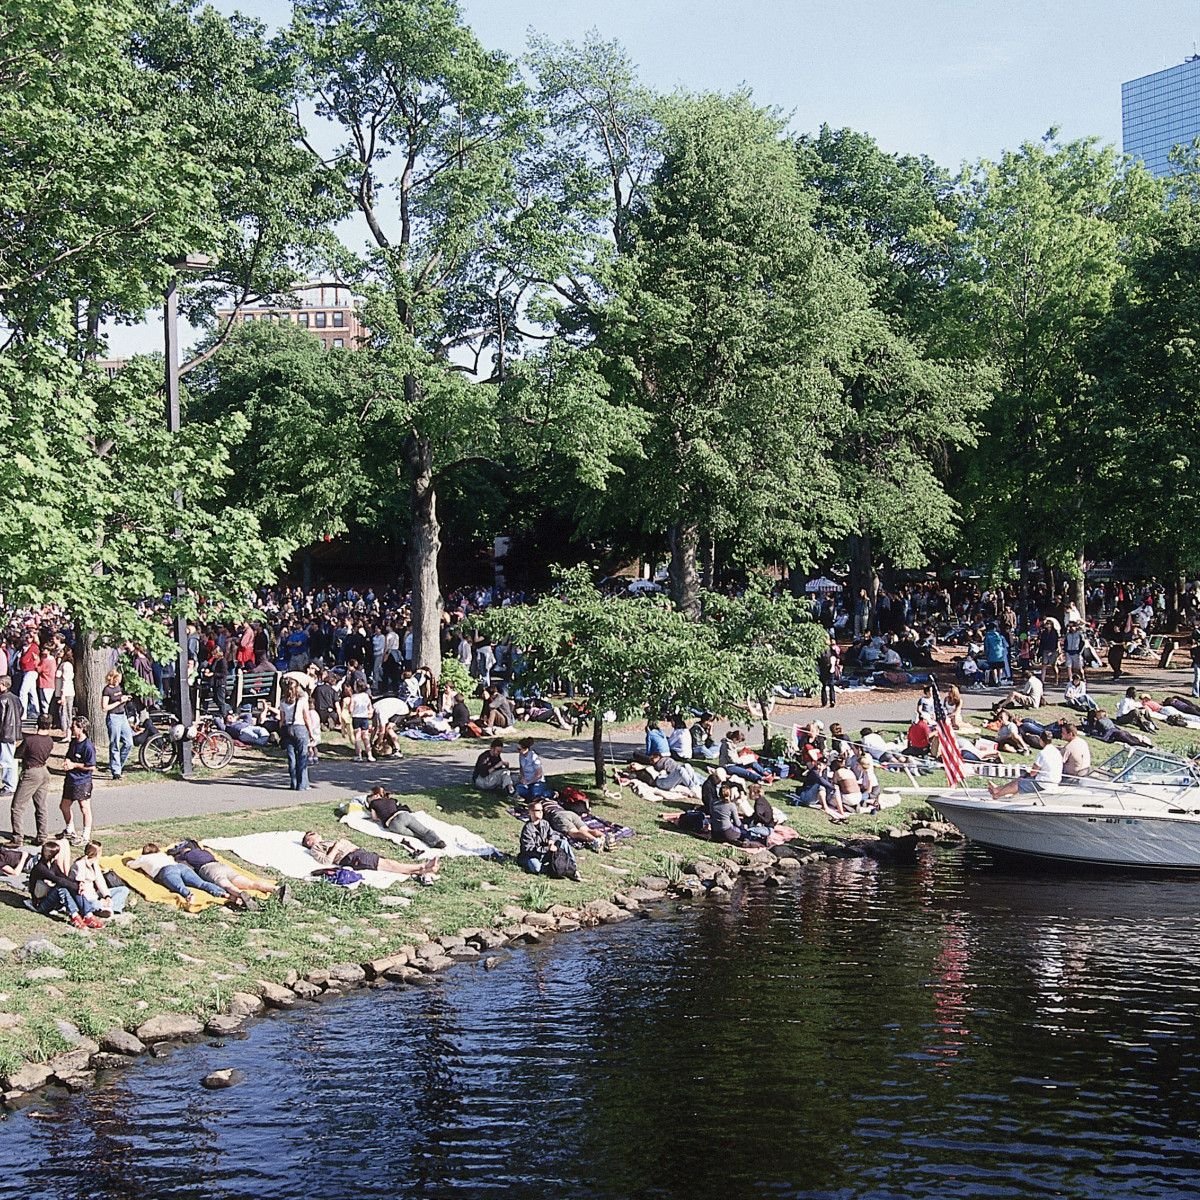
399,818
34,752
538,841
10,734
460,715
490,773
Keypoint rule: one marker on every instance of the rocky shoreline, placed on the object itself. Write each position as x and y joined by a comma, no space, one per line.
95,1061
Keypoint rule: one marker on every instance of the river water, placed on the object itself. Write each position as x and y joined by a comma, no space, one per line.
952,1029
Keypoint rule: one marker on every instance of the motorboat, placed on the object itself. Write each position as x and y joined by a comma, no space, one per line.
1140,809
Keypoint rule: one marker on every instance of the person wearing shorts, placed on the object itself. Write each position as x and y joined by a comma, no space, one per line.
77,782
338,852
232,881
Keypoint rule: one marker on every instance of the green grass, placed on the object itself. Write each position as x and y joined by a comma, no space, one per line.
167,961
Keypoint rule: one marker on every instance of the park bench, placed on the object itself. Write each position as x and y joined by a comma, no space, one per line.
249,687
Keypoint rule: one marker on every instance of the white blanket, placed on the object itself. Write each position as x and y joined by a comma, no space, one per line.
460,842
283,852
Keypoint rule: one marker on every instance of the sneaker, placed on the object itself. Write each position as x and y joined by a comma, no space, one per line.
595,845
370,758
77,922
249,904
93,922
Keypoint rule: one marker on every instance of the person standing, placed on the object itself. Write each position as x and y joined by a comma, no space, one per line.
47,669
293,732
77,784
35,751
11,713
27,662
1196,662
826,669
66,688
113,699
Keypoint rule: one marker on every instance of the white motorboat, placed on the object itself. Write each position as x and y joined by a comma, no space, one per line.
1140,809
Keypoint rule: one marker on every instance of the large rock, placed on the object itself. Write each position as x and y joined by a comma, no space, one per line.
644,895
540,920
40,945
73,1062
226,1078
403,973
428,950
7,947
380,966
448,941
275,995
438,962
245,1004
169,1027
121,1041
654,883
42,973
305,990
27,1077
462,953
487,940
702,868
347,972
599,911
10,1021
223,1024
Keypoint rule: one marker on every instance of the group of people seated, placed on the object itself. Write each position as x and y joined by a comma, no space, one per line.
838,775
86,893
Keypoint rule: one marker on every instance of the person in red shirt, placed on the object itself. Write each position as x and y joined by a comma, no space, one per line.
47,669
28,661
919,737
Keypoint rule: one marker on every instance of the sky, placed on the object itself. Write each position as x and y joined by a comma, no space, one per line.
956,80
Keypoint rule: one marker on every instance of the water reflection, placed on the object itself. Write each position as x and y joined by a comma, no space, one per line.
949,1029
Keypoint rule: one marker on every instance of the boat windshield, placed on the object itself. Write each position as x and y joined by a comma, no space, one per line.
1134,765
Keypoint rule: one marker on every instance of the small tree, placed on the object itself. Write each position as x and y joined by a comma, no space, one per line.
629,657
767,639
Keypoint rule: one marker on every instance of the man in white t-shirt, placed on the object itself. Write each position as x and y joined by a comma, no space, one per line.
1044,776
1030,696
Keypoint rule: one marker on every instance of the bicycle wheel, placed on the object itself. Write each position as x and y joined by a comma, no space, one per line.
216,751
158,753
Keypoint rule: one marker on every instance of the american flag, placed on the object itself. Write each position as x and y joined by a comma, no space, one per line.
947,742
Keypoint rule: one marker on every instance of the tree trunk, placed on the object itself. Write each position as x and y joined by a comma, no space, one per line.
598,748
91,665
863,574
685,581
424,543
1079,586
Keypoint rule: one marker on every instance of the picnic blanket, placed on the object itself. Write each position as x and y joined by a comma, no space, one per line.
460,842
420,735
282,851
594,823
154,891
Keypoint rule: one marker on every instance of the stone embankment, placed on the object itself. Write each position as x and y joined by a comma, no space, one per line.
697,877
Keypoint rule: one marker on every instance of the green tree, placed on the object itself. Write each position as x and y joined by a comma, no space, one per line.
723,312
1044,231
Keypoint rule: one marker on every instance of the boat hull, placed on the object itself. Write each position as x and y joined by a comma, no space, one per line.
1137,840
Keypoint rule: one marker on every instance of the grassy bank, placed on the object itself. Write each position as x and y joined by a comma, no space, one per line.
167,961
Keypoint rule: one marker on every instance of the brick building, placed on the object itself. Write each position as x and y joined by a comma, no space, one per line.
327,312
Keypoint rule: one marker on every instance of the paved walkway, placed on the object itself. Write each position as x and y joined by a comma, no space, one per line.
333,779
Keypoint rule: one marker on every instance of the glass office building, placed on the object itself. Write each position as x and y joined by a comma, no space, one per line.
1159,112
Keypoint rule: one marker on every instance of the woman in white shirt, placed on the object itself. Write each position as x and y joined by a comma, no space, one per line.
361,712
65,682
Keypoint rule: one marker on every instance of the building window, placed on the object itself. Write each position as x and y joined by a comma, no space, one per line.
339,320
302,319
248,318
319,320
338,343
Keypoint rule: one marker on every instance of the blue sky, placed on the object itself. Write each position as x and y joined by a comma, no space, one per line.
957,80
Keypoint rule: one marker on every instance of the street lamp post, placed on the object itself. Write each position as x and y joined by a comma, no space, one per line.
171,347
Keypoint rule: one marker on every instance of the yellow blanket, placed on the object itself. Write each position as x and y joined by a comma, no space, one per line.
154,891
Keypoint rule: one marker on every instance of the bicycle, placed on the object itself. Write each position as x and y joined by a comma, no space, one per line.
160,751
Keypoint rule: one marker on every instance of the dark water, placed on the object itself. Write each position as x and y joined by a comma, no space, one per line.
950,1030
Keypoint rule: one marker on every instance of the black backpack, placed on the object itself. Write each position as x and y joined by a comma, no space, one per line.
559,864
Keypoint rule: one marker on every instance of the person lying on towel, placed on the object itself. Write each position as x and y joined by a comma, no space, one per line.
399,818
339,852
205,864
176,877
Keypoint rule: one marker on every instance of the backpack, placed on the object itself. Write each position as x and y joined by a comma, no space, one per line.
693,820
560,864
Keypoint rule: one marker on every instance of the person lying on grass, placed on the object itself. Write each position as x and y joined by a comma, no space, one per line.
178,878
339,852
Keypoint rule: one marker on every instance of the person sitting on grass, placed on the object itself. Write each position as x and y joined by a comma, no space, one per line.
704,745
1008,733
491,773
1076,695
1030,695
497,712
533,777
205,864
540,846
679,741
572,826
177,878
846,782
51,887
1132,711
738,759
339,852
920,739
1045,775
399,818
89,874
724,822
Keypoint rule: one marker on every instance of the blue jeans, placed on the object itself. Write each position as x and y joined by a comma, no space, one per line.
1196,681
529,863
754,772
179,877
295,743
56,898
8,768
120,743
531,791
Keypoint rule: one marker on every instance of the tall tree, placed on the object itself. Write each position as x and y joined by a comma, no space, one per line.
1043,231
723,309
